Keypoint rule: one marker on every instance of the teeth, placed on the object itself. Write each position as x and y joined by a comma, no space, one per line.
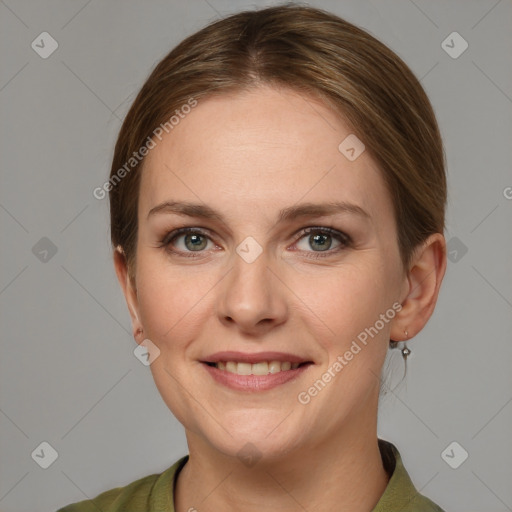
274,367
231,367
244,369
258,368
262,368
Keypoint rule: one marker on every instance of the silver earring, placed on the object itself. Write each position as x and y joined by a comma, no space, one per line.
406,351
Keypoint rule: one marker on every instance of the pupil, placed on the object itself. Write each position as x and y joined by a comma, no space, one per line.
197,243
322,239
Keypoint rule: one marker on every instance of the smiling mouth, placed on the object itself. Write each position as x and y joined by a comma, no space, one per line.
260,368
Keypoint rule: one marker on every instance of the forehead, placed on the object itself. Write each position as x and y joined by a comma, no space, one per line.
260,150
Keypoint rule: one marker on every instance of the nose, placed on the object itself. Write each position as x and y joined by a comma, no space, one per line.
251,297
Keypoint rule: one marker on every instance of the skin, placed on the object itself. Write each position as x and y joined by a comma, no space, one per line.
248,155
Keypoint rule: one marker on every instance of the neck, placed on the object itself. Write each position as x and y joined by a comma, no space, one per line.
342,473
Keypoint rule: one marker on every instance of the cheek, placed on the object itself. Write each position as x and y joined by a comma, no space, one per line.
346,299
170,301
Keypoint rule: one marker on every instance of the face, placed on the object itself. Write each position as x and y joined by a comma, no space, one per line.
263,255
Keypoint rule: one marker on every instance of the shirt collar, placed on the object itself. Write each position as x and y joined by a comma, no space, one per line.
399,495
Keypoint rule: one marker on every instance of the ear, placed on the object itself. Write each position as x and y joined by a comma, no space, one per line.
129,291
421,288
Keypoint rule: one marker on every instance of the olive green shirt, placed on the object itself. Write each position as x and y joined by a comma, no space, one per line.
155,493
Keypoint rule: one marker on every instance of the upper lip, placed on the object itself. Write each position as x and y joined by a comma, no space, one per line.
256,357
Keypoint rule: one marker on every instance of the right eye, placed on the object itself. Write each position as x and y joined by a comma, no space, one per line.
186,240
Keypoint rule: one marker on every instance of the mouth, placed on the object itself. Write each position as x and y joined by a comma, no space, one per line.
255,371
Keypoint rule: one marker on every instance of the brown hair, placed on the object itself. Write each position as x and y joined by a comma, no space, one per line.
316,53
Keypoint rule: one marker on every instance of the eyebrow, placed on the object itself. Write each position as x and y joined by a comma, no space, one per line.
286,214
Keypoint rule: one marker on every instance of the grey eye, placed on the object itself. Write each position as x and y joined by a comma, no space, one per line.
317,241
192,241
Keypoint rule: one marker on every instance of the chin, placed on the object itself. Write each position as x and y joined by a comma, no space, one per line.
255,435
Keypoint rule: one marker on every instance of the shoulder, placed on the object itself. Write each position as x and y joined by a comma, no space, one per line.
400,494
139,496
421,503
135,494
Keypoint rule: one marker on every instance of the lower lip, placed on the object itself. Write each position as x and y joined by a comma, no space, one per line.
254,382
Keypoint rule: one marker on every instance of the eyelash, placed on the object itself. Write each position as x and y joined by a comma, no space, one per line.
343,238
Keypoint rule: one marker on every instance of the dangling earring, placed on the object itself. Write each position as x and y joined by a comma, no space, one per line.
406,351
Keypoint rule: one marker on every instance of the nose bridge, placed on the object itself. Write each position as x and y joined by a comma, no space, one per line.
251,295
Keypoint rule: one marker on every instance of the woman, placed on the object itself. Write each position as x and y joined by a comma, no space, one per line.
277,213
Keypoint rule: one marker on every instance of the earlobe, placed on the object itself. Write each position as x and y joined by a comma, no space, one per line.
424,280
130,294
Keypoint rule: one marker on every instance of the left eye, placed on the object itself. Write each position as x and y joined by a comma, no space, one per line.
321,239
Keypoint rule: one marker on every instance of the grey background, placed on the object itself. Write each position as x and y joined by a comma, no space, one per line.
67,370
